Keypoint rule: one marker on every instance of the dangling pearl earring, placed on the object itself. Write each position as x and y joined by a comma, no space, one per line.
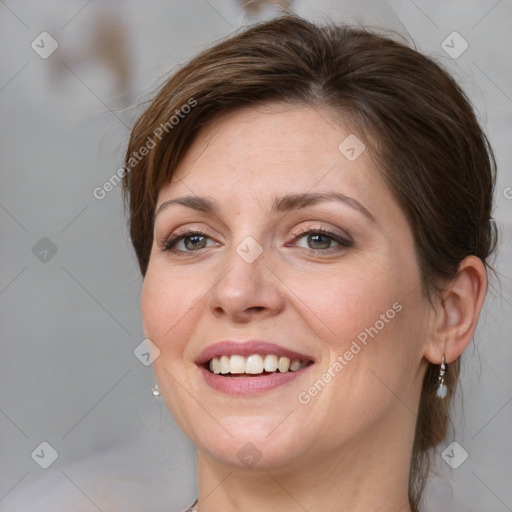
442,390
155,391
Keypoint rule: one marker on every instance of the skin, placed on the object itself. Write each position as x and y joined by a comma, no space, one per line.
349,447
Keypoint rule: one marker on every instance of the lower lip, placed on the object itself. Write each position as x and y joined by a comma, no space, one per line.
249,385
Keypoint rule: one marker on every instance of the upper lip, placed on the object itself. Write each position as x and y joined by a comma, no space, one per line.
247,348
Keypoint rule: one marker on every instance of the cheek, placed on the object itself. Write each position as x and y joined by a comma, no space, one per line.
346,301
368,319
153,304
165,306
167,318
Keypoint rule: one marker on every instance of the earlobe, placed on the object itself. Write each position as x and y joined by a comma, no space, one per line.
458,312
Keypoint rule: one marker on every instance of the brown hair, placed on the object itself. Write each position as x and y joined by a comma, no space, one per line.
412,115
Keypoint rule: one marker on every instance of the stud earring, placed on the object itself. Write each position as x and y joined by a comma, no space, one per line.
155,391
442,390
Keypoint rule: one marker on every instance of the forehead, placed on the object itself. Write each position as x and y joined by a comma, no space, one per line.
275,147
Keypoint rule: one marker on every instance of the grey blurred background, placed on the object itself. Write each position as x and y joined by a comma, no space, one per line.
70,325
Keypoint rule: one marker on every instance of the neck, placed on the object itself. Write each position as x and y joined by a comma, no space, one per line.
371,473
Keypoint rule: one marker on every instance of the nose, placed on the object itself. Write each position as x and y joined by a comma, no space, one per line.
243,291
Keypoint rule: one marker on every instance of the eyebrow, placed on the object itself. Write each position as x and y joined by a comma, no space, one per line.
281,204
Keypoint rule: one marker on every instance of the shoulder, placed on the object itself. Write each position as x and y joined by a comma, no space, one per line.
191,507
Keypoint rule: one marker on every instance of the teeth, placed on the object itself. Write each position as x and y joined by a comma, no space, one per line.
270,363
255,364
236,364
224,364
295,365
284,364
215,365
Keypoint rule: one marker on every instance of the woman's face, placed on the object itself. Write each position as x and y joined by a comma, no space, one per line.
343,305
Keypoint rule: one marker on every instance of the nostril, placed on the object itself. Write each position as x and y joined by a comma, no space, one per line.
257,308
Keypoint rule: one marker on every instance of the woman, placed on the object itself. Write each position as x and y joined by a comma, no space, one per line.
311,212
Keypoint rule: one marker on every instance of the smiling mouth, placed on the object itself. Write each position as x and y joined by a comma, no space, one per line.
254,365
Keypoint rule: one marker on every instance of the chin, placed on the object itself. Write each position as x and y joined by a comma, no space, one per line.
253,441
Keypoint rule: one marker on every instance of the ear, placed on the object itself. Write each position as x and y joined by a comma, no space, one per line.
458,312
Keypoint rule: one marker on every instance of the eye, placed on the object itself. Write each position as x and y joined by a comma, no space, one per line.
321,239
318,239
191,241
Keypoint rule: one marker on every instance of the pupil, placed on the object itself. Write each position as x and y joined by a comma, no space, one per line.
316,236
193,240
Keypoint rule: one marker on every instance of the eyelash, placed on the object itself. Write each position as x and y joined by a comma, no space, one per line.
169,245
343,242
